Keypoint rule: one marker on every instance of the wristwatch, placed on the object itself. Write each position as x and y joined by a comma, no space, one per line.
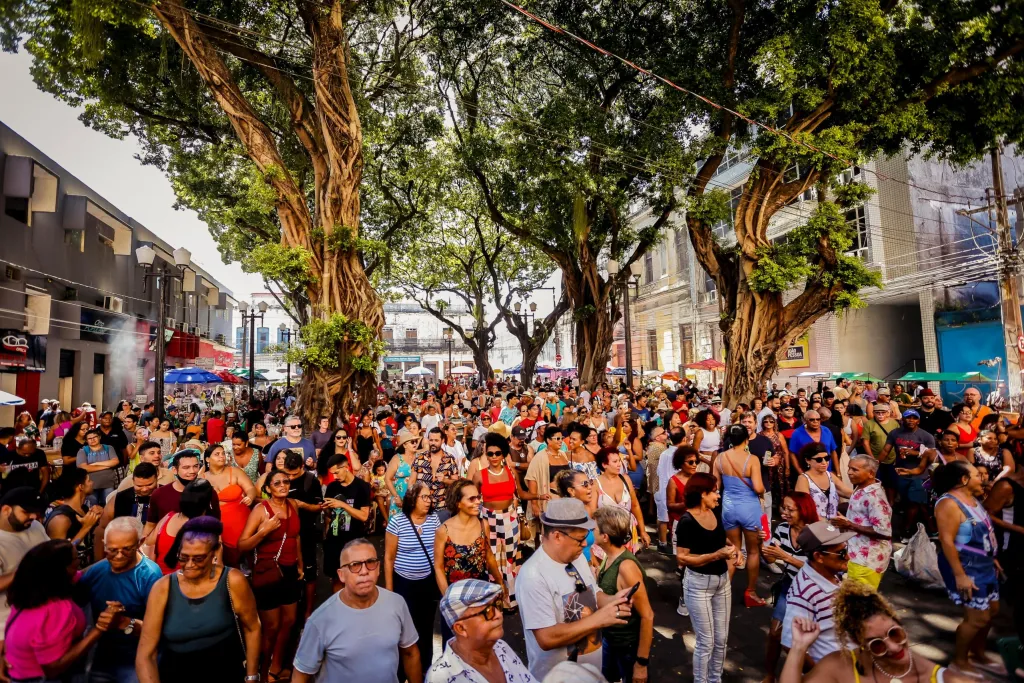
127,630
643,661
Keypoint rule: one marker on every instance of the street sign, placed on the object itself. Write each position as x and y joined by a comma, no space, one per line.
1020,343
558,360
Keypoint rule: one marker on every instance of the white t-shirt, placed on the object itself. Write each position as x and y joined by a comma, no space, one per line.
547,596
665,472
13,548
428,422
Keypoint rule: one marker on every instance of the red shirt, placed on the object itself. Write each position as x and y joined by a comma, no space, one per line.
215,430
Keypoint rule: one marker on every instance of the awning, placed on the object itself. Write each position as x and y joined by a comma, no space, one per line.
966,377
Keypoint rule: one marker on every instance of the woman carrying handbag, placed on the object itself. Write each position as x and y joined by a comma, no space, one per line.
272,533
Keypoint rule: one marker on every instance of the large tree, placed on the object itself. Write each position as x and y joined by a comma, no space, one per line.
555,130
266,116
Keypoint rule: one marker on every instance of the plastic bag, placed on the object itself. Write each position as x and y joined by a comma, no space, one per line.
918,560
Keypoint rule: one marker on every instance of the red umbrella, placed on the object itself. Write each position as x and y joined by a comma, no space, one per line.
227,377
707,364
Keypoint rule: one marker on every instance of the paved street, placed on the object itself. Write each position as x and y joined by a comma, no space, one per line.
928,615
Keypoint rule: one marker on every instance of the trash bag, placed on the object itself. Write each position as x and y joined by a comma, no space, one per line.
918,560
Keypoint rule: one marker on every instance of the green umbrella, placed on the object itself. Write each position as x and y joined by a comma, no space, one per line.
244,372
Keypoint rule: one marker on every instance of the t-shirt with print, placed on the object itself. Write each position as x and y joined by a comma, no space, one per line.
341,643
14,545
547,596
20,470
342,527
870,508
907,444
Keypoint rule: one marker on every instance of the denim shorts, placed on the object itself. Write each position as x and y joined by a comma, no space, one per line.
779,612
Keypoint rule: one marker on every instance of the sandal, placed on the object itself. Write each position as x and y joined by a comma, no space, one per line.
752,599
279,676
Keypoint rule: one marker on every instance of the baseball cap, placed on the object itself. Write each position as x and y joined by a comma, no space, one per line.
518,432
926,392
912,413
567,512
465,594
820,534
26,498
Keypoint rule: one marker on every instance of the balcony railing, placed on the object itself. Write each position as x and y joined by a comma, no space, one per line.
423,344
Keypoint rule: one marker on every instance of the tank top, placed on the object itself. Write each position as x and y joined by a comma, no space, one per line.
192,624
163,543
826,502
608,581
711,441
680,486
497,491
271,543
966,434
603,498
252,468
1013,544
466,561
84,547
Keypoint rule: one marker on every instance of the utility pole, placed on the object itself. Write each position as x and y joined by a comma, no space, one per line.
1009,295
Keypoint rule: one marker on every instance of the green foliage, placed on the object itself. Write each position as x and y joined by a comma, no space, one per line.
287,265
322,343
583,312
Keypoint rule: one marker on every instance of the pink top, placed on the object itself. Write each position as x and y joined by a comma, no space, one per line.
41,635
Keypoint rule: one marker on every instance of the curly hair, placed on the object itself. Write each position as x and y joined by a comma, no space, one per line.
855,603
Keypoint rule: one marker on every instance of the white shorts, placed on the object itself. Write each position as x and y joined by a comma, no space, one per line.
662,504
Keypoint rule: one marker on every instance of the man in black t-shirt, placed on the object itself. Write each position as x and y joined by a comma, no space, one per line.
252,416
112,435
347,507
308,495
933,420
25,466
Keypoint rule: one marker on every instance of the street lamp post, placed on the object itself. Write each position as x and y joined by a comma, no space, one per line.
532,314
635,269
243,307
449,339
164,277
287,333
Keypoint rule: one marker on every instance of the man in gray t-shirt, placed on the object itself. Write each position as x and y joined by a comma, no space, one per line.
361,633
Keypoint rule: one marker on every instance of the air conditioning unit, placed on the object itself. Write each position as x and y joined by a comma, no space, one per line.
113,303
12,273
170,323
221,339
201,332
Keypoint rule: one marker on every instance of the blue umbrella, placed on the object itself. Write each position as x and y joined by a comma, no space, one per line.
190,376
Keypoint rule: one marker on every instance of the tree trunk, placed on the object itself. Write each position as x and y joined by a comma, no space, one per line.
482,361
531,352
589,297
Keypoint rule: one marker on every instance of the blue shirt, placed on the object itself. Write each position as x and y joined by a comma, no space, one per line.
308,450
410,562
801,438
131,589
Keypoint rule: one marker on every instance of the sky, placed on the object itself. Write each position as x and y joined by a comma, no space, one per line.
142,192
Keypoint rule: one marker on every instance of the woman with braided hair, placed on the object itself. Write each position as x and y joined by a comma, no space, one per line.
875,646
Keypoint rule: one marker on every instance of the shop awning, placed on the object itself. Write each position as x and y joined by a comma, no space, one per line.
966,377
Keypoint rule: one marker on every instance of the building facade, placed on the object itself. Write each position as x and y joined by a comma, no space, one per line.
78,319
924,229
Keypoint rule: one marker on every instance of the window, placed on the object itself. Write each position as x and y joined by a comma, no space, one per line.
857,220
649,267
686,344
410,333
722,227
389,334
282,336
99,363
682,256
262,339
652,348
663,258
239,338
850,175
732,157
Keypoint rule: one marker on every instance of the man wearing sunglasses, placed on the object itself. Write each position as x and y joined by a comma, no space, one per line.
814,589
812,431
291,437
363,632
472,610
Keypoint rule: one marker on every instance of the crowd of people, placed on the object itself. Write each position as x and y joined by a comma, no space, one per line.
188,544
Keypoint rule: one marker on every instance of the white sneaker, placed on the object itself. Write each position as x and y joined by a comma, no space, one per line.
774,568
681,610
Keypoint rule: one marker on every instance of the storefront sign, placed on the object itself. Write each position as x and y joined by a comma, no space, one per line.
22,351
99,326
798,355
401,359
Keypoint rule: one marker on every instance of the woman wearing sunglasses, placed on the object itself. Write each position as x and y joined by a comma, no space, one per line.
867,623
823,486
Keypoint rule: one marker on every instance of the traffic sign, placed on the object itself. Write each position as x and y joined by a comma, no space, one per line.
558,360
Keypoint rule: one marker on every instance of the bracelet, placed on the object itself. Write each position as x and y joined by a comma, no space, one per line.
643,661
254,677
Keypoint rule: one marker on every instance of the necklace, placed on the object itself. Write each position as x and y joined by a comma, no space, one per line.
896,678
501,470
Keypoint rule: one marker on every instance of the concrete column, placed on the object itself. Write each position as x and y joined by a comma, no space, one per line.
826,345
931,344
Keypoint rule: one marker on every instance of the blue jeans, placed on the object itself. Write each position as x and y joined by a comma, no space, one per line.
117,673
617,661
709,599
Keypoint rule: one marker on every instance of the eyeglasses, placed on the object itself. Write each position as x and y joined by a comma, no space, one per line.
841,554
691,461
586,484
494,454
813,419
357,566
488,612
581,542
197,560
472,499
276,484
823,458
896,635
130,550
580,585
340,438
293,426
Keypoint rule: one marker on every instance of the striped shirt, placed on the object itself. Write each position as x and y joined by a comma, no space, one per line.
410,562
811,597
781,538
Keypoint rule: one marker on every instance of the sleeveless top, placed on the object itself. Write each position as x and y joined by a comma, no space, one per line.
496,491
233,514
84,547
603,498
466,561
938,672
271,543
402,475
252,468
163,543
607,580
680,486
710,441
192,624
967,434
975,535
127,505
826,502
737,490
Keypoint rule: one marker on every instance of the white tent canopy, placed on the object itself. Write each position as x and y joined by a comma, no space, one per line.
10,399
463,370
419,371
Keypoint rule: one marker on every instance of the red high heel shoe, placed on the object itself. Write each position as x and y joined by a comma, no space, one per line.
752,599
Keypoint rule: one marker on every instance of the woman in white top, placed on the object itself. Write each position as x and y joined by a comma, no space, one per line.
452,445
823,486
707,439
614,488
596,421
